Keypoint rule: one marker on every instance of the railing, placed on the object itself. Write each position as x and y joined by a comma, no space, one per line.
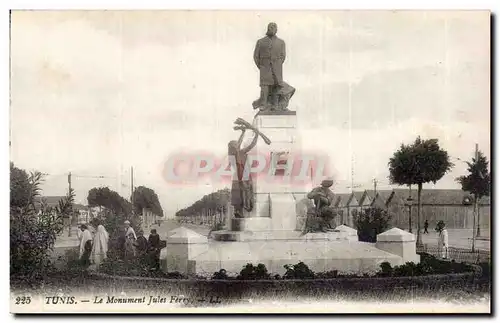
458,254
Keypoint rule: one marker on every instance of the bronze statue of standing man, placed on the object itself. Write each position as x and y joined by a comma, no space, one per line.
269,56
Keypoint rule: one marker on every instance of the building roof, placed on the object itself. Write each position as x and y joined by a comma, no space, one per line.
384,194
400,195
342,199
379,201
372,194
358,195
364,196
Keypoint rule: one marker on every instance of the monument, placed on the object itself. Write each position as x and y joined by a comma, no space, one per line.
268,222
269,56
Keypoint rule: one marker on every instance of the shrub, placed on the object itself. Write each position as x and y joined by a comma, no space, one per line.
429,265
33,226
298,271
251,272
371,222
221,274
328,274
115,266
485,270
385,269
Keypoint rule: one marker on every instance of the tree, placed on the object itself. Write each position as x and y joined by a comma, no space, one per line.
370,222
33,228
211,207
104,197
421,162
116,211
146,198
478,181
20,188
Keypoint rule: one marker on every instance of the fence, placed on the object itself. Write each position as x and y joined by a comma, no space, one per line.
458,254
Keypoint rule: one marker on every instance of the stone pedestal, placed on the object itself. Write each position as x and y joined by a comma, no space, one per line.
347,232
183,245
399,242
283,211
273,189
275,206
282,131
190,253
251,224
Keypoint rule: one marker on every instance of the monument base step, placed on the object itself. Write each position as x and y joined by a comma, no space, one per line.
251,224
255,235
280,235
319,255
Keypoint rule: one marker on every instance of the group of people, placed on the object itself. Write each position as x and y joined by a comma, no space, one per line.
138,247
94,248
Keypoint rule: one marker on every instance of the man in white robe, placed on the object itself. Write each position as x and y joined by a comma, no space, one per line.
442,240
100,247
85,244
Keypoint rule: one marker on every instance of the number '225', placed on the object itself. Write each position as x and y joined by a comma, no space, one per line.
23,300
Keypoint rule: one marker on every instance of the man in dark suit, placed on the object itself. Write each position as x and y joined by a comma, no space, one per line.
269,55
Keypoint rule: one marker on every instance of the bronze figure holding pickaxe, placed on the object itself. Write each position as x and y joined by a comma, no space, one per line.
242,198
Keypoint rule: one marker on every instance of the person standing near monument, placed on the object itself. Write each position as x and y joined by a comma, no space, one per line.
85,245
100,245
442,239
269,56
141,246
129,230
154,248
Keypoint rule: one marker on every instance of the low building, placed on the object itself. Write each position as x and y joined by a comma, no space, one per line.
344,203
453,206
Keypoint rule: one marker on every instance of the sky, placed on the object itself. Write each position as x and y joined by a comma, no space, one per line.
98,92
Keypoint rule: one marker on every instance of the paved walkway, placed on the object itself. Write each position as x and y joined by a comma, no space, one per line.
458,238
63,241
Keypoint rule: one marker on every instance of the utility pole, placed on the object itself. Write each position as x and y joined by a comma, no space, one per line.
352,173
70,215
131,183
409,208
132,189
477,202
475,211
